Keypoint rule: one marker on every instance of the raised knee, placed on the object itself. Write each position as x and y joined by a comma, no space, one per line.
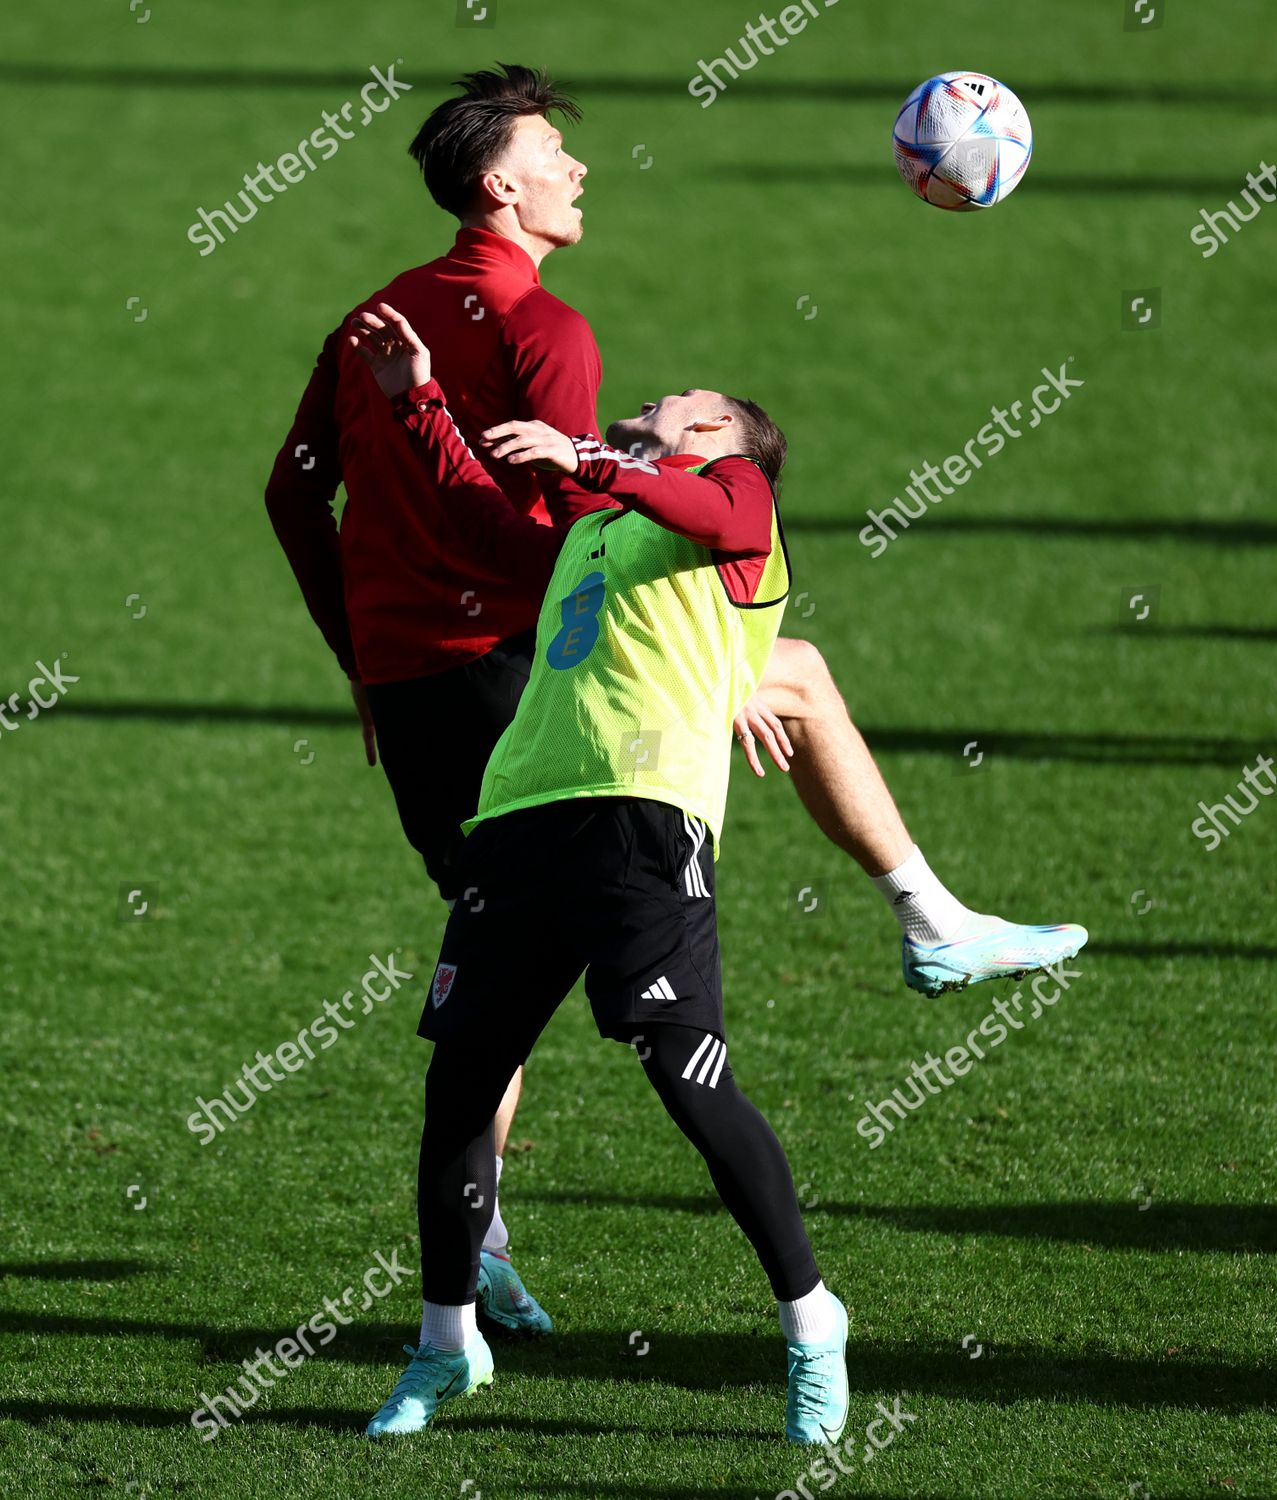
802,669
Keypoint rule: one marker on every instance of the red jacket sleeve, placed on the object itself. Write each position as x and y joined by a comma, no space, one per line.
299,501
728,509
516,546
557,370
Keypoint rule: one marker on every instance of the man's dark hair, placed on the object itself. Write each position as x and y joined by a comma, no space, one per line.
463,137
760,437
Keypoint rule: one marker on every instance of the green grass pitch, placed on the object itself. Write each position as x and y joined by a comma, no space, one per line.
1062,1265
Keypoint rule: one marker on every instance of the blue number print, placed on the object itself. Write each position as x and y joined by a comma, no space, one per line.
579,611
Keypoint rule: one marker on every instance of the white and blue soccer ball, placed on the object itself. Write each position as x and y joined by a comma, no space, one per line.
962,141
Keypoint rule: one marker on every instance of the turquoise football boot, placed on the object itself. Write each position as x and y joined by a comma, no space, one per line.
433,1376
505,1300
987,948
818,1400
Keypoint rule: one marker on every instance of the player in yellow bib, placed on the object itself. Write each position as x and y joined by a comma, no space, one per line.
643,660
592,851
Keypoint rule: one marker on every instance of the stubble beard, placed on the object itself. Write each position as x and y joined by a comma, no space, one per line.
633,437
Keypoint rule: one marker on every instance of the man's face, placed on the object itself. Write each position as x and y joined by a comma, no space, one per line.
671,424
546,179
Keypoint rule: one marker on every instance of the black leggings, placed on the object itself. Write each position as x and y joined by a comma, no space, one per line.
456,1184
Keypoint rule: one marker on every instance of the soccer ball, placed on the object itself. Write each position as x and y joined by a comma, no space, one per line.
962,141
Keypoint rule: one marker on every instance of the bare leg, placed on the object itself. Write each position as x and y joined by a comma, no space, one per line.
832,769
497,1238
946,945
504,1118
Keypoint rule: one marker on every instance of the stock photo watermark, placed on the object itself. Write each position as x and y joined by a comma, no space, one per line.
293,1055
705,83
294,165
958,467
211,1417
1210,236
929,1078
1140,605
477,13
807,900
639,752
1144,15
840,1458
136,901
13,716
974,758
1142,309
1210,826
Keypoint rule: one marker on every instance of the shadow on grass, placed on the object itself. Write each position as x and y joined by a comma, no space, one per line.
591,1489
215,713
1171,1227
1012,744
710,1362
37,1413
866,175
1203,632
74,1270
1230,95
1222,533
1094,749
793,1470
348,1422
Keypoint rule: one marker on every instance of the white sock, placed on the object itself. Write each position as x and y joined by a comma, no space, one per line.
928,912
444,1327
497,1238
809,1320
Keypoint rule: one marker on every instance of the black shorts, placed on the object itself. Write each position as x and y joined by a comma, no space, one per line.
434,737
618,889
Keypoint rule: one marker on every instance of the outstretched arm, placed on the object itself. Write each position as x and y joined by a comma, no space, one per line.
515,544
729,509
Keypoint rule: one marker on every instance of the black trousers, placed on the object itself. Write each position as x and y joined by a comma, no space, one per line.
457,1174
434,737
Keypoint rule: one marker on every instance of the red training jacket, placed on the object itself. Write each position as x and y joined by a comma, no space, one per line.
398,590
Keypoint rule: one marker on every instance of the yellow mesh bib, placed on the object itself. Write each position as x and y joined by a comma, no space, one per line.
642,662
